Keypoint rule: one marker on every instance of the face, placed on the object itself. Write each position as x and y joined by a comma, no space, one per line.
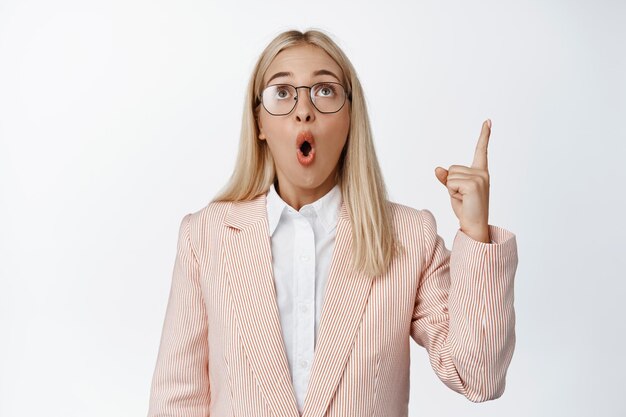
302,181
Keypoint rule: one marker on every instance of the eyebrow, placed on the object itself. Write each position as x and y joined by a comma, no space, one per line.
290,74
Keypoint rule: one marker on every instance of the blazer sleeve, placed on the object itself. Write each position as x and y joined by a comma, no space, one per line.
180,383
463,313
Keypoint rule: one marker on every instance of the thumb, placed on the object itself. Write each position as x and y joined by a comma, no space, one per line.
442,175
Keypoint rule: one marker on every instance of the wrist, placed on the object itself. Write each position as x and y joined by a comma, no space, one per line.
478,234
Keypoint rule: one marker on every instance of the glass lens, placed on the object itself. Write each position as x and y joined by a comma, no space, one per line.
328,97
280,99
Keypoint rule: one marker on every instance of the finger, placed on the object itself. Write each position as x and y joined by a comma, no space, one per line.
480,155
454,189
466,185
441,175
459,176
474,173
462,169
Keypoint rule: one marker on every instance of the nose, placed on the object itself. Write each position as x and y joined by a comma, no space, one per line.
304,110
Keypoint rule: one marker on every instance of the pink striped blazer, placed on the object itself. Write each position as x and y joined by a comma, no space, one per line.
221,352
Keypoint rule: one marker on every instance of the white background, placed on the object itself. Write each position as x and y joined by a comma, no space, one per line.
118,118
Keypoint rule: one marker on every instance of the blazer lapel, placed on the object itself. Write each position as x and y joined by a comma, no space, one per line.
249,264
248,255
345,298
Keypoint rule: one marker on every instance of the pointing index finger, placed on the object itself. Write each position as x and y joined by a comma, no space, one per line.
480,155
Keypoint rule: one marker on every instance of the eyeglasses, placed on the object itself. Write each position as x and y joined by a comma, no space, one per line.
281,99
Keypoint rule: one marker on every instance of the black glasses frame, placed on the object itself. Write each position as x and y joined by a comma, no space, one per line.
346,95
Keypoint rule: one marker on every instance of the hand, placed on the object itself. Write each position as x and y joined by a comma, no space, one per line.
469,190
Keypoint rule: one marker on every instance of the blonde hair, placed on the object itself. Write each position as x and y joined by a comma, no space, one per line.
359,176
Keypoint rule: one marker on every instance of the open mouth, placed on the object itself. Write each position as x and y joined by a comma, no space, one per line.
305,144
305,148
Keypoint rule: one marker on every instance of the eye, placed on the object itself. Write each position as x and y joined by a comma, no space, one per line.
325,90
282,92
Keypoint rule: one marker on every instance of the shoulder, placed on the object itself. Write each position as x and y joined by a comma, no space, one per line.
212,213
413,225
404,215
202,227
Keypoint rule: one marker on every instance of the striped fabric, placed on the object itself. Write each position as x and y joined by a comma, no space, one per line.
221,352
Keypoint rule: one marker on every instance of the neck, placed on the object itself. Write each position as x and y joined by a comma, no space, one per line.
298,197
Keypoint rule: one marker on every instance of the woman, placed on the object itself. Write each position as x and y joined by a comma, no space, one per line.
295,291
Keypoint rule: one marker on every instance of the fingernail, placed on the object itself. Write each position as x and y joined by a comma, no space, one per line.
489,123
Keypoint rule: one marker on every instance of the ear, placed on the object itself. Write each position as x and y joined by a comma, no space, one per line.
261,134
258,122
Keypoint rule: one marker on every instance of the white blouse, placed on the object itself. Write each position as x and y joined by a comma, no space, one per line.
302,247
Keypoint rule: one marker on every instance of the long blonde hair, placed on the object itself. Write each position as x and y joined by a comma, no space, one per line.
359,176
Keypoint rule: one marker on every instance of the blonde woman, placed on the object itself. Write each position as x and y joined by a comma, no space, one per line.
296,291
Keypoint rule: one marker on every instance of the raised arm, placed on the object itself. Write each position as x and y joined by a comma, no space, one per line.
464,313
